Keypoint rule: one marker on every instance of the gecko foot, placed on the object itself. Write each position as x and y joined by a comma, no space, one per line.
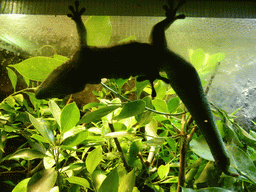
76,14
170,12
151,80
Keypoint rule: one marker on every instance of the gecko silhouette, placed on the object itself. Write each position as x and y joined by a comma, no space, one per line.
142,60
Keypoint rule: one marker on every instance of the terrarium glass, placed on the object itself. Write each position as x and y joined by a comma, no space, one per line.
234,83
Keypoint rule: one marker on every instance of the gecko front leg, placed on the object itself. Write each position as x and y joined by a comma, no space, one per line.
66,79
157,37
76,16
151,79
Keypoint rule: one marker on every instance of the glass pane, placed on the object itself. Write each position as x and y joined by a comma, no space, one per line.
234,85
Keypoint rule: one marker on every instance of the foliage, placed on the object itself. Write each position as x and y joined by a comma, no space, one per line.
117,145
204,63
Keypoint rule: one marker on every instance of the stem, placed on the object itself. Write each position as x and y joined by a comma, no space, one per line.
183,150
20,91
127,167
36,169
151,154
147,108
212,78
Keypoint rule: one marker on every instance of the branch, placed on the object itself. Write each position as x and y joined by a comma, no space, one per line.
183,150
127,167
147,108
212,78
20,91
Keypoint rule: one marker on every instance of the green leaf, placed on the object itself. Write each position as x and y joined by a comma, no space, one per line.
43,129
140,86
117,134
128,39
197,59
99,30
35,102
249,140
55,110
13,77
69,117
91,105
212,61
37,68
111,183
42,181
252,133
201,148
128,182
209,189
50,161
173,104
163,171
55,189
119,126
93,159
151,129
61,58
21,186
120,82
19,98
145,117
27,81
131,109
36,145
39,138
10,101
2,140
161,89
76,139
98,177
206,173
160,105
231,134
97,115
79,181
242,162
133,153
172,143
28,154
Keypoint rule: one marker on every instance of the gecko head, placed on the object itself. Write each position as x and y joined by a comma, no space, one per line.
71,77
64,80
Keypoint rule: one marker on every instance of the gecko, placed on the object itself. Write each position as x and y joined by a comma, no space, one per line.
145,60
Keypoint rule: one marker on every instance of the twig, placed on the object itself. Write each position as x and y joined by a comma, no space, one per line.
127,167
151,154
183,150
36,169
189,136
211,79
17,92
69,99
13,172
141,158
147,108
